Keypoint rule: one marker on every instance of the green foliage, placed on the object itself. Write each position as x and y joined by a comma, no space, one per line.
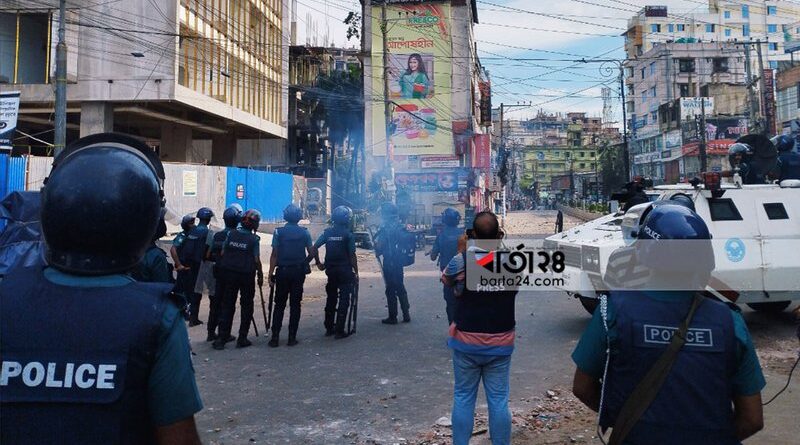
353,22
612,169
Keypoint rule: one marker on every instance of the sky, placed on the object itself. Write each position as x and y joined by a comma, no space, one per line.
529,47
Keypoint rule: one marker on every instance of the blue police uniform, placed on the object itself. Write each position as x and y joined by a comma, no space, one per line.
789,164
214,244
111,384
339,246
717,363
444,249
236,268
387,245
182,276
194,251
154,267
291,241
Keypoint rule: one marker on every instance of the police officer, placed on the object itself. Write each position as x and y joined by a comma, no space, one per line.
712,392
741,156
238,267
177,252
341,267
387,246
154,267
194,252
788,160
232,216
287,270
89,355
444,249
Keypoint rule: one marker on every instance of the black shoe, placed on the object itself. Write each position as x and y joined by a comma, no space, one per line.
273,343
218,345
340,335
389,320
243,342
292,341
193,323
406,318
230,338
328,332
211,336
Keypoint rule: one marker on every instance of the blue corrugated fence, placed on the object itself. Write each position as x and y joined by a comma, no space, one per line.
12,177
267,192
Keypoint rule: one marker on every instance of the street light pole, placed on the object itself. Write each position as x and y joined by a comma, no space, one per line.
60,134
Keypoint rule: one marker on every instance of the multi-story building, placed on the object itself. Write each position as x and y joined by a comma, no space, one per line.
435,149
772,21
202,81
663,101
788,100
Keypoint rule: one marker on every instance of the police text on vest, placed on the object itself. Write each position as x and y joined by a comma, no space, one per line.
663,335
55,375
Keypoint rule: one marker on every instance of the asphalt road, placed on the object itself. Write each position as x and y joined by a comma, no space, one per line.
386,384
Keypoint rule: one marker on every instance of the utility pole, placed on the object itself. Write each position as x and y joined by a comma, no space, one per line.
625,154
60,135
387,105
752,112
763,127
703,158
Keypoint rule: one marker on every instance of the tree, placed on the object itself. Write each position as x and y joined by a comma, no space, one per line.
612,169
353,22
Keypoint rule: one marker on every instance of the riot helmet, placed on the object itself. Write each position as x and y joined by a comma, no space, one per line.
292,214
97,179
783,143
232,216
205,214
187,223
342,215
251,219
739,153
674,243
451,217
682,199
388,211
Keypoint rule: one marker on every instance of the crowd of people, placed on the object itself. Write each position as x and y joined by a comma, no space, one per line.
79,368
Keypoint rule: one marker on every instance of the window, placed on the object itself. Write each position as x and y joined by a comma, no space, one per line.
582,165
653,92
644,120
684,90
642,71
653,67
745,11
681,27
644,96
773,46
582,154
772,28
655,27
746,30
727,32
723,209
591,154
654,116
727,14
671,27
772,10
27,36
775,210
720,65
686,65
773,64
709,27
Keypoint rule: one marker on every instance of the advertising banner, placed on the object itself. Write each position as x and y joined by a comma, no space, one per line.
419,53
441,181
9,110
443,161
483,152
485,88
770,108
723,128
693,106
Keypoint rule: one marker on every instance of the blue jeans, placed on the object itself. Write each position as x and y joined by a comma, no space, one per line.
469,369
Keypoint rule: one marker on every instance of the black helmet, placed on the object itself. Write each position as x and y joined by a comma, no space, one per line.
342,215
739,149
187,222
105,177
292,213
451,217
232,215
205,214
388,211
251,219
783,143
680,199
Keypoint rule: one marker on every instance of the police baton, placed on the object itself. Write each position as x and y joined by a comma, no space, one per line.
352,317
255,328
263,310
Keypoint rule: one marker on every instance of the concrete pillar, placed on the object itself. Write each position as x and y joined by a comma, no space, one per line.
176,142
223,149
96,117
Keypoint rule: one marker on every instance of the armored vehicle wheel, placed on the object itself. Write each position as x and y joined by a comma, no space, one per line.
590,304
773,307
